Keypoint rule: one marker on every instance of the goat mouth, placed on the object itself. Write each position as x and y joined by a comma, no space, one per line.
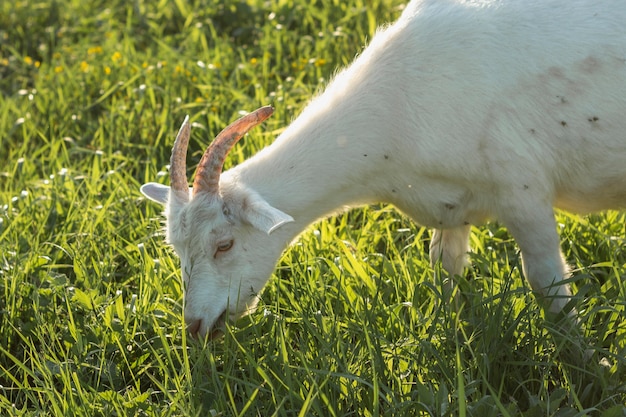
217,330
197,329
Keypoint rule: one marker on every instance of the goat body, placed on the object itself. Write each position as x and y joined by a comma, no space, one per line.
461,111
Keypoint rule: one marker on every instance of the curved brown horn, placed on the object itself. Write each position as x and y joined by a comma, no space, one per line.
178,164
210,167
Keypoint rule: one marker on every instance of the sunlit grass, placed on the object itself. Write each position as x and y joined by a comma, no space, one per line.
352,323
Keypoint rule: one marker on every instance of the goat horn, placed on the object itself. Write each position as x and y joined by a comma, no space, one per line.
207,177
178,165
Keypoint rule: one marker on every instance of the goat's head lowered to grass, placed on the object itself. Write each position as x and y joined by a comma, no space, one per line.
217,233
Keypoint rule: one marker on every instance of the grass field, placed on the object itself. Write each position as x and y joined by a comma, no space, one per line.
352,323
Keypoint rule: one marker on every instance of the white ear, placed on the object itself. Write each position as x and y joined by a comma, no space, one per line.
156,192
262,216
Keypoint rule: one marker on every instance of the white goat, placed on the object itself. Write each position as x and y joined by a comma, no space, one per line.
461,111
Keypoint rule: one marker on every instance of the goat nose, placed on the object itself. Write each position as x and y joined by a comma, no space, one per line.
193,327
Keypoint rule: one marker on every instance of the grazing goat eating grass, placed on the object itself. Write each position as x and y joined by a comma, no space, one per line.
460,112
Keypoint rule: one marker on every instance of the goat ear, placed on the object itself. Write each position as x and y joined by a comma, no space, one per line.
156,192
264,217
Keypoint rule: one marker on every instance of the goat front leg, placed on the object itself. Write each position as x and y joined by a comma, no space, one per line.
534,229
545,268
450,246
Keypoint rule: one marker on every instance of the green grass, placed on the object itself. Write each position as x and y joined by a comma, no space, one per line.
352,323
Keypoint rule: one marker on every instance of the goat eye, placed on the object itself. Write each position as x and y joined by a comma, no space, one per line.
225,246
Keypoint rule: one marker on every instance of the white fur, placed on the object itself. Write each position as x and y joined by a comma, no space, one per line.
459,112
